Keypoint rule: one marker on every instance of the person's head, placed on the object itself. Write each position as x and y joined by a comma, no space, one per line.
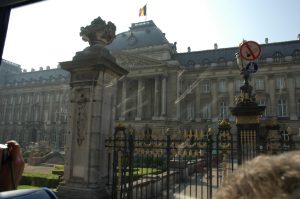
264,177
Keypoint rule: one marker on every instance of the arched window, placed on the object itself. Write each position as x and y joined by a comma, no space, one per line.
190,64
222,61
296,55
205,62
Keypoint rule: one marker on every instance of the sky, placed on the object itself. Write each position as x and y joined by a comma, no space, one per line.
46,33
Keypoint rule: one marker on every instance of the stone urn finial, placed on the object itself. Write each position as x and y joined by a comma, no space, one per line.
98,32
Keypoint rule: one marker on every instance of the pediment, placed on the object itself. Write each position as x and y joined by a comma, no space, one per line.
133,61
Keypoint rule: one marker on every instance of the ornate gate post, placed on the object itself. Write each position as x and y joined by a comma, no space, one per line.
94,73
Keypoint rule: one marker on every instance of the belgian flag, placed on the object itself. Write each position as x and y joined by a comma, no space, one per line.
143,11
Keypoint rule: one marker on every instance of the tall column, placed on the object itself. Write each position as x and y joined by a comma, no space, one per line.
30,106
21,107
197,103
123,100
163,97
51,98
178,93
231,91
215,110
13,116
156,104
139,104
271,91
291,101
5,109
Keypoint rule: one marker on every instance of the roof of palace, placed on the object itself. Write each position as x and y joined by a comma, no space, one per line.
146,34
48,74
271,50
142,34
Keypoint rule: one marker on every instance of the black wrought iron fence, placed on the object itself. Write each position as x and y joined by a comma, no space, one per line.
191,164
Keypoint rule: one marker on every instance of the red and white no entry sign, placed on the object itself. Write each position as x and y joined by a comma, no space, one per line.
250,50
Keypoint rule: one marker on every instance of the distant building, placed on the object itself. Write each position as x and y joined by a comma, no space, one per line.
33,105
163,87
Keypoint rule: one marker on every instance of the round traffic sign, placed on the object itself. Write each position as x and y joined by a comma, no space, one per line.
250,50
251,67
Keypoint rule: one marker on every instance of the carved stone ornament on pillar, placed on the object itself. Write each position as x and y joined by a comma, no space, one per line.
98,34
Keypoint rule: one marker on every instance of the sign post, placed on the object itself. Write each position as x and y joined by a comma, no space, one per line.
250,50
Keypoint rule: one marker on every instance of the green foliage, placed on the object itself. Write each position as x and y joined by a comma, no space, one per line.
40,179
40,175
26,155
27,187
142,161
59,167
58,170
145,171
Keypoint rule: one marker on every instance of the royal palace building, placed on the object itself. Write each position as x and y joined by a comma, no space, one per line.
163,89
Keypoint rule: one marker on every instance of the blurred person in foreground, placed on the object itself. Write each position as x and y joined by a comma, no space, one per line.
11,165
264,177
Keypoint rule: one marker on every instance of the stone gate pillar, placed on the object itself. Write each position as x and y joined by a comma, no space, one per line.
94,73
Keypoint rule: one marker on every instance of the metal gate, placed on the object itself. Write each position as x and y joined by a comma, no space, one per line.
191,164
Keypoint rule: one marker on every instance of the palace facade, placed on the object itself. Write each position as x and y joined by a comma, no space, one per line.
164,88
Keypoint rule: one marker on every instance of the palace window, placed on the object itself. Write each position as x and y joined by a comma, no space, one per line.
27,98
223,109
11,101
296,55
190,64
262,102
206,111
190,110
298,107
57,97
205,62
18,115
222,61
10,115
298,82
47,98
278,57
238,84
280,83
282,108
46,115
222,86
19,99
37,98
259,84
206,86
